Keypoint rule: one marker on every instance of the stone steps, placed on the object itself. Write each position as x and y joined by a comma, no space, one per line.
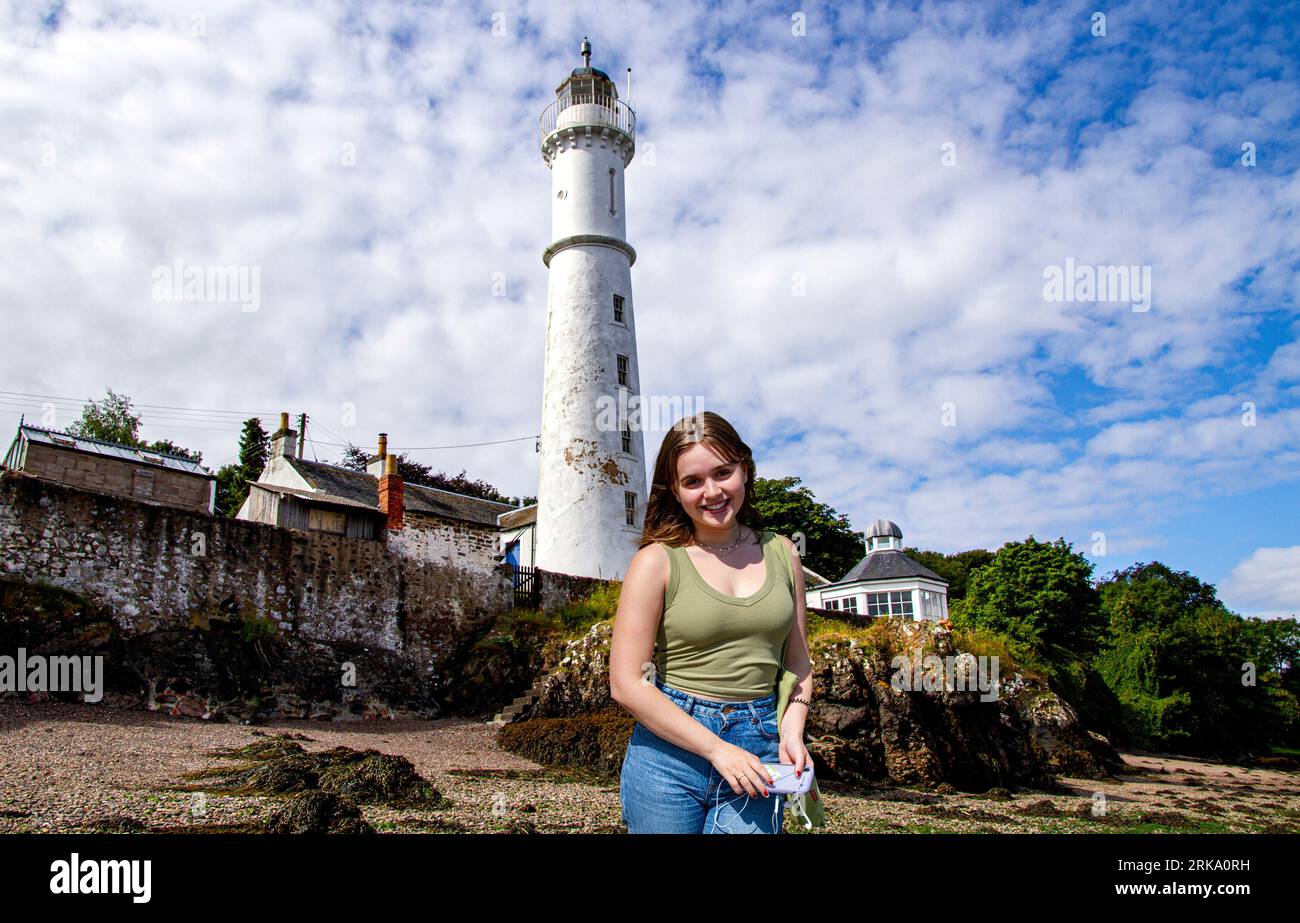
515,708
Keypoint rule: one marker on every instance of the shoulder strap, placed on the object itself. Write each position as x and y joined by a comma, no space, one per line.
789,575
674,574
785,560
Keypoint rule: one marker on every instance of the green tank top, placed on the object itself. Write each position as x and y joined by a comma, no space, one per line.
721,646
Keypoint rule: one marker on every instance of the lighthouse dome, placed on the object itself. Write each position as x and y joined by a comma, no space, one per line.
590,72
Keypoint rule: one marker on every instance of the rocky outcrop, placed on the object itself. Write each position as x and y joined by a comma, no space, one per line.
867,727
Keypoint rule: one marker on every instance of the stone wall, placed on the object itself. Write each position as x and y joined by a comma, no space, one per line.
179,590
425,537
160,568
109,475
558,589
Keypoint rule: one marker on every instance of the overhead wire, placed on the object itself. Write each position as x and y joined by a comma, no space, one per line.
171,416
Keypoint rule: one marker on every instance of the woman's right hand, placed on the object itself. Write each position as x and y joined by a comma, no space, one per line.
742,769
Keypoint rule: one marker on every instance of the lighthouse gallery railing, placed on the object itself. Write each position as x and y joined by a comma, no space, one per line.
614,113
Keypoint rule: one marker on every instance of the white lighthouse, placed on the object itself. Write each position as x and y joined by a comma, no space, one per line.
591,487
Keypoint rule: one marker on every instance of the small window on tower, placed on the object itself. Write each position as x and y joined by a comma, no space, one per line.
618,308
627,438
613,209
629,506
622,370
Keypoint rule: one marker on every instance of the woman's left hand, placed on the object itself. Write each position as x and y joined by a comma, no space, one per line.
793,751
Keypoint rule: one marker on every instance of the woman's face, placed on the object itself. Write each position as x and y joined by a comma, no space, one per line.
709,489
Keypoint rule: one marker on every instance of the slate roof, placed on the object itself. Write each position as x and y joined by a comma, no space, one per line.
319,498
363,488
888,564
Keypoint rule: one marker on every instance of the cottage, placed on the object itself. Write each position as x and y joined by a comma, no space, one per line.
112,468
421,522
518,533
886,582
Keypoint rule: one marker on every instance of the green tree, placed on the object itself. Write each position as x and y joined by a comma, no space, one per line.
113,420
232,480
254,447
167,447
955,568
109,420
1041,595
354,458
414,472
1176,657
830,546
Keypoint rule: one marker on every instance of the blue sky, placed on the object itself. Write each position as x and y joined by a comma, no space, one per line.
842,227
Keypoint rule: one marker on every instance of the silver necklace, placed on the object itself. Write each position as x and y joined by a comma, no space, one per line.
725,549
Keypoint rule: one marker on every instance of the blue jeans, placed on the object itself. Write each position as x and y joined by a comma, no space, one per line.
665,788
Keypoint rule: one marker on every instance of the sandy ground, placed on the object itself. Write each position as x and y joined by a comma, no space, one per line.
63,765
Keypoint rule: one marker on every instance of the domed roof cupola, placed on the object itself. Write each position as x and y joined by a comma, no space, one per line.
884,534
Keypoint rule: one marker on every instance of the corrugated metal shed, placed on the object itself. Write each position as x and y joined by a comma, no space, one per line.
99,447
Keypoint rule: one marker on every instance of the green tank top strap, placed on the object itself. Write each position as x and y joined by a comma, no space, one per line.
789,577
674,574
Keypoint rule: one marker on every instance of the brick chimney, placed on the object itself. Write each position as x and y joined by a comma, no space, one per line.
285,441
390,493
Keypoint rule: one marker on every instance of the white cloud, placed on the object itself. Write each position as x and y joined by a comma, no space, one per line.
1265,584
924,282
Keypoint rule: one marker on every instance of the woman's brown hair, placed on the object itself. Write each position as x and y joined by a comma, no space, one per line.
665,520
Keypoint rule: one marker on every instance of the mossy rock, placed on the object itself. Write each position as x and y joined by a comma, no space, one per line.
283,767
276,777
318,812
596,741
377,778
273,748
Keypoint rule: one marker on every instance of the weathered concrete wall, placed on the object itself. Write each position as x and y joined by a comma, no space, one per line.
118,476
160,568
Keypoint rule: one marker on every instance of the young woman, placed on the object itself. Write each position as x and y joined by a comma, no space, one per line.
707,606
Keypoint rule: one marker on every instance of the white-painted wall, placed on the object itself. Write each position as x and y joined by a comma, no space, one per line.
524,534
820,596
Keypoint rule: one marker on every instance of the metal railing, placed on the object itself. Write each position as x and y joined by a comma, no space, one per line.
613,113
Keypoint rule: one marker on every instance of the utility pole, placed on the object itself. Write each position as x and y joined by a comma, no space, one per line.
302,433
